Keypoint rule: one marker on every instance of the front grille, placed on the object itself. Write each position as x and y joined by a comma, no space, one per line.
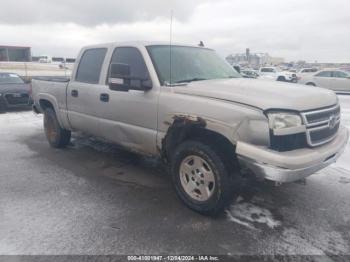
17,99
313,118
318,135
322,125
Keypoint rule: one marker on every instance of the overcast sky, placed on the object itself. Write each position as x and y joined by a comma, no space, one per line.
295,29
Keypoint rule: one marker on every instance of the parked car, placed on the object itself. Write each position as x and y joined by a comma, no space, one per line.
249,73
45,59
307,70
334,79
198,114
14,92
273,73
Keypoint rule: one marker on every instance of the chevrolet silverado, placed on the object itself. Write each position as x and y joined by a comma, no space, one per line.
187,106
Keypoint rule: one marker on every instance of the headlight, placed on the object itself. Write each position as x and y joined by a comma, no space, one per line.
284,120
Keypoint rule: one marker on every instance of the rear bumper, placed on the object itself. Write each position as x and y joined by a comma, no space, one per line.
292,165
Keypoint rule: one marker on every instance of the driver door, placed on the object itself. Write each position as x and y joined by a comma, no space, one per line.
129,118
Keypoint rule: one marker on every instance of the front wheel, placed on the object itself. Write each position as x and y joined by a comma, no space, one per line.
57,136
201,178
281,78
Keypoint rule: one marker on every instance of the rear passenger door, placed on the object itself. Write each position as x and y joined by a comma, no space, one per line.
84,90
323,78
341,81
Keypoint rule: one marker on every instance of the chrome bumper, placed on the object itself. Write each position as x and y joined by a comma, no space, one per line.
292,165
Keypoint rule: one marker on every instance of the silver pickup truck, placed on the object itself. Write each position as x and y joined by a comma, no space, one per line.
187,106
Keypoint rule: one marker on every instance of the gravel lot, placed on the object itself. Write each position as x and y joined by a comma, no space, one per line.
93,198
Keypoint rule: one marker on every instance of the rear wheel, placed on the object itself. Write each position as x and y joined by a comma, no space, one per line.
2,106
310,84
201,179
57,136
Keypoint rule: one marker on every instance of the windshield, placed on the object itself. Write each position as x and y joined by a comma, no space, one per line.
7,78
188,64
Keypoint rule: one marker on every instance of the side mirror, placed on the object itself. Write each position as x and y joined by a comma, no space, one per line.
119,79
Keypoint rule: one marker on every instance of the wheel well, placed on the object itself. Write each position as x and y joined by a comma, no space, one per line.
45,104
310,84
184,129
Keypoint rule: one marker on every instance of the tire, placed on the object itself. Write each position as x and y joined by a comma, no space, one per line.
57,136
281,78
218,186
310,84
2,106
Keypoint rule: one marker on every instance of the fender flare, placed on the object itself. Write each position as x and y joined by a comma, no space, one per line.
52,100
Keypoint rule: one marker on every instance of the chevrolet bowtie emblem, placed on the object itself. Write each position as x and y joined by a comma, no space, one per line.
331,122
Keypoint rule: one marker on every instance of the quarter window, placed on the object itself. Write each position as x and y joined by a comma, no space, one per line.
90,65
340,74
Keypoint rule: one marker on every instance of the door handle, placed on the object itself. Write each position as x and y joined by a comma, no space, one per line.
104,97
74,93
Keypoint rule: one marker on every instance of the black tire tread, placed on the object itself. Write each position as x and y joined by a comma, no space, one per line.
63,136
224,190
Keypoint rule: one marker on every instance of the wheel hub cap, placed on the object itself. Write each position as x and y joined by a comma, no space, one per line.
197,178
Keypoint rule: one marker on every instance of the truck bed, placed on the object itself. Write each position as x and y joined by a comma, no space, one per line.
52,78
52,89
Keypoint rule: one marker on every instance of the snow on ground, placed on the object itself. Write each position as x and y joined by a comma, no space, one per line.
250,214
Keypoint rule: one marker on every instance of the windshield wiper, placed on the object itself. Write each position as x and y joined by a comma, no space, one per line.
190,80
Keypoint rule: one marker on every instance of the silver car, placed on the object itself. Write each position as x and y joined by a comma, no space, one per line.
334,79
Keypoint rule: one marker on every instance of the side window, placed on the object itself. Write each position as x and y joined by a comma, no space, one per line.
325,74
268,70
340,74
90,65
133,57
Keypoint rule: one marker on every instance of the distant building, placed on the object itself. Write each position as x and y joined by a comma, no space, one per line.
55,59
253,59
15,53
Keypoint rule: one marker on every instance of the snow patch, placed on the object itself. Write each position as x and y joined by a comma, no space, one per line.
247,214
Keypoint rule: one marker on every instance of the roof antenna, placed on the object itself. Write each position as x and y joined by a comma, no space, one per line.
171,40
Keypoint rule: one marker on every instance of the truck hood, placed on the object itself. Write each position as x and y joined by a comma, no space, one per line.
14,88
261,93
